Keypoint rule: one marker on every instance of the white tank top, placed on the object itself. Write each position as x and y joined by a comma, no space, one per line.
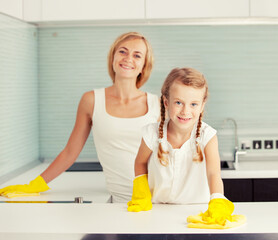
117,141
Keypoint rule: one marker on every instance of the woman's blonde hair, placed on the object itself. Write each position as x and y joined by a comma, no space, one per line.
146,71
189,77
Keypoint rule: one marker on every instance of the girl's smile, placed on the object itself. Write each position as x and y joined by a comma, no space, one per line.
183,120
184,105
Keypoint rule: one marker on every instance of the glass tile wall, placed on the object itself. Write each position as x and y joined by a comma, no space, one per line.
239,62
19,115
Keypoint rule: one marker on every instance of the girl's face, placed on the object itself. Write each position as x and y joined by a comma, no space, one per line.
129,59
184,105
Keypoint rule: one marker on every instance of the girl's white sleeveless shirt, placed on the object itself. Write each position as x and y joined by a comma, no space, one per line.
117,141
183,181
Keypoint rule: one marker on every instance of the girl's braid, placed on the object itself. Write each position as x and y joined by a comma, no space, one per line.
199,155
161,153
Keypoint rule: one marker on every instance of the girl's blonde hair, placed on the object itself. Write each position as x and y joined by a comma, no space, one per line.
189,77
146,71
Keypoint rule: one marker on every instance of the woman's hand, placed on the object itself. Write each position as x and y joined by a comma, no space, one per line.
33,188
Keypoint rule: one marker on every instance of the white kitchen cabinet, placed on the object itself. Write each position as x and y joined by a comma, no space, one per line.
174,9
12,8
263,8
71,10
83,10
32,10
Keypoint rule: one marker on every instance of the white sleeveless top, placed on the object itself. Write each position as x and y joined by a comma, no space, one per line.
117,141
183,181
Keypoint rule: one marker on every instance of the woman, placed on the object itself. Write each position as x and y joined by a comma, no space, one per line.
116,115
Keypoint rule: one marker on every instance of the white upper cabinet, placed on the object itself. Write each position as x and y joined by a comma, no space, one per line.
165,9
264,8
83,10
32,10
12,8
70,10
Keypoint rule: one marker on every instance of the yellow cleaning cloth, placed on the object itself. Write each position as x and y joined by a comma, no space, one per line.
197,222
19,194
26,190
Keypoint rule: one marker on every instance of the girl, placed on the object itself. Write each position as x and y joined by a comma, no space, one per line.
116,115
180,154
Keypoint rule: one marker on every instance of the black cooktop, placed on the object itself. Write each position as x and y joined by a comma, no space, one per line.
85,167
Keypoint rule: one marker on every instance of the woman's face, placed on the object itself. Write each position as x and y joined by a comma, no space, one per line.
129,59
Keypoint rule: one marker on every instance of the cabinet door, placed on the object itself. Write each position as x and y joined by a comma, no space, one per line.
263,8
238,190
66,10
156,9
265,190
12,8
32,10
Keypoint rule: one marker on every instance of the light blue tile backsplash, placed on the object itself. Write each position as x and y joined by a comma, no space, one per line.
43,77
19,125
239,62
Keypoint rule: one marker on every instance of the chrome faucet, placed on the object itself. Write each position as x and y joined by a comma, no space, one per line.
237,152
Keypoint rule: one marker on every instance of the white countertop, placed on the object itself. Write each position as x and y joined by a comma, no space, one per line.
101,217
89,185
114,218
253,169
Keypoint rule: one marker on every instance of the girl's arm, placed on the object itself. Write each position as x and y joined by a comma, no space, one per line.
220,208
76,141
213,166
141,161
141,195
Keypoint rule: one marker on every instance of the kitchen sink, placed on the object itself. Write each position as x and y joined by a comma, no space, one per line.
227,165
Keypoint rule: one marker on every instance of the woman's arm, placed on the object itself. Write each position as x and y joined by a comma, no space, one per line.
141,161
76,141
213,166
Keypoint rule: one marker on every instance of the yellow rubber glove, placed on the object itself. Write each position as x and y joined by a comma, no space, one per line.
32,189
219,210
218,216
141,197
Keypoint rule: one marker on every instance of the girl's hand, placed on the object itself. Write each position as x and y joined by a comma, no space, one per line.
219,210
141,196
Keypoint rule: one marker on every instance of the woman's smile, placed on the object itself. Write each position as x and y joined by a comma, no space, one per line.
126,66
